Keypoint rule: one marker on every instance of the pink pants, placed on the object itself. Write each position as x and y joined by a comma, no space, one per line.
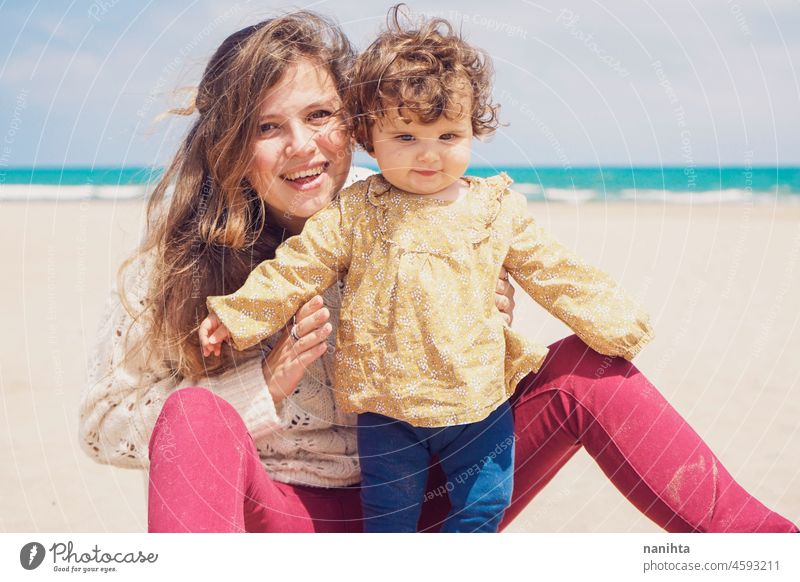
205,474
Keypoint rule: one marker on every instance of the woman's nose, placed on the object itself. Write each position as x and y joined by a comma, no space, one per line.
300,140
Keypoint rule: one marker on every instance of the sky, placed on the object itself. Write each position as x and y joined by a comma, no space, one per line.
580,83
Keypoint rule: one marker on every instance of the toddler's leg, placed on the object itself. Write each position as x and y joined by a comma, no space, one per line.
479,462
394,471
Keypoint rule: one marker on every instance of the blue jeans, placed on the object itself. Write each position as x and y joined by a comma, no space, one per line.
478,459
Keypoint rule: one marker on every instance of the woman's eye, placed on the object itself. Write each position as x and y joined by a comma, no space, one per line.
320,114
265,128
405,137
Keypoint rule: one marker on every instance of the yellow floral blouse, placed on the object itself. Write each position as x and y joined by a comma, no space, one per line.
420,338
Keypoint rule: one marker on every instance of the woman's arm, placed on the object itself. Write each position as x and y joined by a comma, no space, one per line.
129,382
585,298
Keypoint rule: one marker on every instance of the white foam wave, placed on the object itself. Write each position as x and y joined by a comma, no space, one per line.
528,189
68,193
533,191
573,195
727,196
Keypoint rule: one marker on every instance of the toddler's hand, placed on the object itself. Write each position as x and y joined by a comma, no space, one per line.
212,333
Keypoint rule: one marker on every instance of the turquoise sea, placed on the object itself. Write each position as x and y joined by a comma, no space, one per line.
670,185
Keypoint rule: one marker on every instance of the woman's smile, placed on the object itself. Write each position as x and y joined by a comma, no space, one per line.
308,178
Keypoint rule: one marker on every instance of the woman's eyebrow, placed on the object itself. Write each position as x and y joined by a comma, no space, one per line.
315,105
324,103
268,116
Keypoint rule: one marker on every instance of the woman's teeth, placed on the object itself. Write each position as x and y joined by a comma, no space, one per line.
305,173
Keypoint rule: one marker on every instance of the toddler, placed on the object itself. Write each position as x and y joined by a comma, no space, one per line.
423,356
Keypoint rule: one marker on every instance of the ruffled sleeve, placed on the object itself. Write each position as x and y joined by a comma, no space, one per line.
598,310
304,266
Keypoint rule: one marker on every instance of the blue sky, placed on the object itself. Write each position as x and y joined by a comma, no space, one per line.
704,82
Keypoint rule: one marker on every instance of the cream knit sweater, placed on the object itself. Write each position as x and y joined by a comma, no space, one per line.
305,439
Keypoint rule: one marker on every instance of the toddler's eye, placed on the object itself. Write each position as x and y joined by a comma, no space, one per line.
447,136
405,137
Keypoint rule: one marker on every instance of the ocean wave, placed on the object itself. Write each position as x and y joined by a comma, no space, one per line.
726,196
573,195
70,193
532,191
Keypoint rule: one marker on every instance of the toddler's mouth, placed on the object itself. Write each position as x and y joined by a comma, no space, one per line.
426,172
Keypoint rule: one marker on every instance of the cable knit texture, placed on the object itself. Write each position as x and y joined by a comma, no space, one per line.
306,439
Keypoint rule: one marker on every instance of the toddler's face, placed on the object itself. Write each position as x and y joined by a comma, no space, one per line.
424,158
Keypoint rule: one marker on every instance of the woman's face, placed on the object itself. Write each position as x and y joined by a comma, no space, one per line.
302,155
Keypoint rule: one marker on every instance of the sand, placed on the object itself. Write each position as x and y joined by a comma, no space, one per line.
722,285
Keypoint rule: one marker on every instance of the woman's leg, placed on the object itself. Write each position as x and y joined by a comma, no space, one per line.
650,453
205,476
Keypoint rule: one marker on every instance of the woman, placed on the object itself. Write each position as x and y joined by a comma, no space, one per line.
253,441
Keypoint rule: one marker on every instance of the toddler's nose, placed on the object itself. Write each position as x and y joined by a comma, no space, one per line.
427,155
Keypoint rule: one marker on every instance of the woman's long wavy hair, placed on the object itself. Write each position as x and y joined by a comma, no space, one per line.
212,229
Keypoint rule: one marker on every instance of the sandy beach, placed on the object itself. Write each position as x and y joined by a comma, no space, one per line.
722,284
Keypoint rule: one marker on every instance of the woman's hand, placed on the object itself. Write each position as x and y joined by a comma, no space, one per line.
504,297
285,365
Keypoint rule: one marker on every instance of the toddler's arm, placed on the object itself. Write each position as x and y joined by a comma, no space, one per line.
212,333
584,297
303,266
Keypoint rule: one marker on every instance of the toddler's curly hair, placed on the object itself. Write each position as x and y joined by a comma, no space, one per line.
421,70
